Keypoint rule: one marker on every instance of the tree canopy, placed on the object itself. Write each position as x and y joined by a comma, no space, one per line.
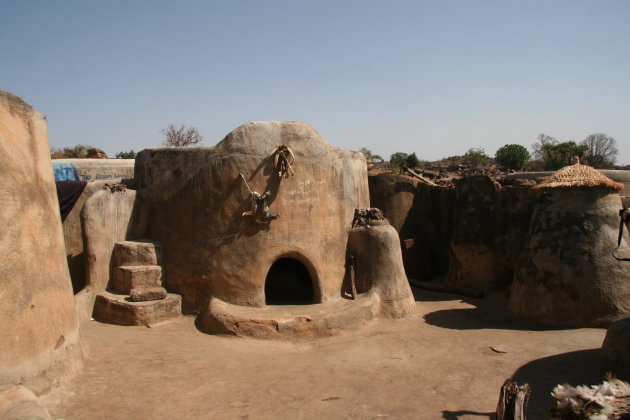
559,155
80,151
512,156
126,155
181,136
412,161
475,157
370,156
600,150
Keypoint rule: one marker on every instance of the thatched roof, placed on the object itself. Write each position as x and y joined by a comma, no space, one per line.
577,176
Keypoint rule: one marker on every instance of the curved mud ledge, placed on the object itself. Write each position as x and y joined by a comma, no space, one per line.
319,320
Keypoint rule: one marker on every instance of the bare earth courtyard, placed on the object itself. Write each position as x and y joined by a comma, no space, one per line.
448,361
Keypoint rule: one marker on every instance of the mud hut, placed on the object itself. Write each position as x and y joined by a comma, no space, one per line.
567,275
260,220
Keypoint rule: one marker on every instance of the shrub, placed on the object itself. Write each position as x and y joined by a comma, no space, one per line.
512,156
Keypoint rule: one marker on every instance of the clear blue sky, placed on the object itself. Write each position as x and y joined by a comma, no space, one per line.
434,77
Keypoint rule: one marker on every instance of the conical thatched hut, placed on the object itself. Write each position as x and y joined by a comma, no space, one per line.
567,274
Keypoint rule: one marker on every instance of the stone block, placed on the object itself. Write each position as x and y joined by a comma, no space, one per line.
143,294
141,252
136,276
120,310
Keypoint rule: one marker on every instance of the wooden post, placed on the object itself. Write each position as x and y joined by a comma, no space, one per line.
513,401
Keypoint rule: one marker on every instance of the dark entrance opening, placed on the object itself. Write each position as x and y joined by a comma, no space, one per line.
288,283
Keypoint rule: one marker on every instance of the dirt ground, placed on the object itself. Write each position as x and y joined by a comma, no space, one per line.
448,361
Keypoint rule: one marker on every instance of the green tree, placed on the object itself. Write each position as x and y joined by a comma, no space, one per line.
126,155
412,161
397,161
512,156
559,155
601,150
475,157
370,156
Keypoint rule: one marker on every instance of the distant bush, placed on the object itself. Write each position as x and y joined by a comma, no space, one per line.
397,161
475,157
369,156
79,151
412,161
125,155
512,156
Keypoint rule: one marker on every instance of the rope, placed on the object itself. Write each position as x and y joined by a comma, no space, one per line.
245,182
623,215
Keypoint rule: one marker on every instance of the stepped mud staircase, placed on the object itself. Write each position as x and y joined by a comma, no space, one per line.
136,295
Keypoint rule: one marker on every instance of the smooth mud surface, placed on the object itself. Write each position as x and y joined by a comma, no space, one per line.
447,361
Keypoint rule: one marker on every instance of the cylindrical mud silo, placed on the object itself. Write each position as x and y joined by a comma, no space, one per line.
378,267
39,331
567,275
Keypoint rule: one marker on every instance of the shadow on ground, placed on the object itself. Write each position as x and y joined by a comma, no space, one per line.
422,295
584,367
489,312
456,415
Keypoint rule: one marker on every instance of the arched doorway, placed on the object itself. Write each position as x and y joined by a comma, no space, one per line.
288,282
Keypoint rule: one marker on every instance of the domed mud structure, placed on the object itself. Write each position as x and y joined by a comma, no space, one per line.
261,218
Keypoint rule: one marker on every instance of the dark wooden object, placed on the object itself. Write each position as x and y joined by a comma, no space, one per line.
513,401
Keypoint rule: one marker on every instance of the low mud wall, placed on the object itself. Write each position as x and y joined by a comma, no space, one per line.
112,170
422,215
474,232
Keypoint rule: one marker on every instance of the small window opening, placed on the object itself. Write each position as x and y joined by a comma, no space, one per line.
288,283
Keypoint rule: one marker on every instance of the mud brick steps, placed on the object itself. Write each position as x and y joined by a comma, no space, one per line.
138,297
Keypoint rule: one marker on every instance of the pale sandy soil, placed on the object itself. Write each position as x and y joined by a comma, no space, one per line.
448,361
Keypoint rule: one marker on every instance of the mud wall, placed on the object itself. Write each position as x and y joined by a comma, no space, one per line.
107,217
112,170
490,224
473,231
422,216
39,333
566,275
73,237
196,202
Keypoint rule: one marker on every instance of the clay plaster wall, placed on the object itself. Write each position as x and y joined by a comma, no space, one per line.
196,199
39,334
566,274
474,232
102,169
106,218
490,224
422,216
379,268
73,237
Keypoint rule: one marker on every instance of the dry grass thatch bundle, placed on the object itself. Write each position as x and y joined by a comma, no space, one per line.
576,176
610,400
